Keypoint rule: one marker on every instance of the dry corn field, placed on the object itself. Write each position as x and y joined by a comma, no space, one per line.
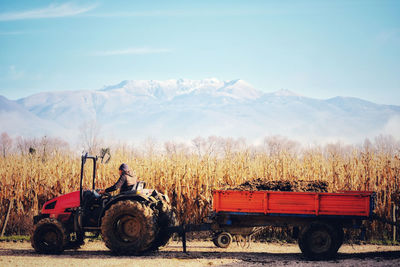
189,177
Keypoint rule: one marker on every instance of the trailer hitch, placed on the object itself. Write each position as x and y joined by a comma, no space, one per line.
182,229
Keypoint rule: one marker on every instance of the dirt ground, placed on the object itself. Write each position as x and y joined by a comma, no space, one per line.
200,253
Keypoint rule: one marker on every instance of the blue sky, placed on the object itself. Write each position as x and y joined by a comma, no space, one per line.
315,48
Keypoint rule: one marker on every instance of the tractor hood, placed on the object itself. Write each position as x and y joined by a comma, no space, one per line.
60,204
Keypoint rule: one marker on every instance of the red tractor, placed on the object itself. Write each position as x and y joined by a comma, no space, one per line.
130,223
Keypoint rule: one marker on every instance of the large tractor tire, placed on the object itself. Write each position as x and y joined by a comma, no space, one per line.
128,227
49,237
319,241
166,218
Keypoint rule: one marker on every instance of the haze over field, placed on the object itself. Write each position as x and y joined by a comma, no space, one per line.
183,109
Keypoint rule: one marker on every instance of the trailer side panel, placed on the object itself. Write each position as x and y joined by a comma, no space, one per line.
312,203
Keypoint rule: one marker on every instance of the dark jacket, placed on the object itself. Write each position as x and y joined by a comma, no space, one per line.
125,183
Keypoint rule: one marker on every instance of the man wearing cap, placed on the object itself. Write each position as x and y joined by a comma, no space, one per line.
125,182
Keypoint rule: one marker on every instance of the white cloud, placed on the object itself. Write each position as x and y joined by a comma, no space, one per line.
51,11
192,13
14,73
12,33
389,35
152,13
132,51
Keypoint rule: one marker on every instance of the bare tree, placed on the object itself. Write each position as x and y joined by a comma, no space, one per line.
228,145
386,144
51,146
198,143
210,145
205,147
58,145
174,148
274,145
339,149
367,146
90,136
150,146
21,145
44,143
25,145
5,143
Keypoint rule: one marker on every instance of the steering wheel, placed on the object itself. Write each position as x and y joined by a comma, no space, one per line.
105,194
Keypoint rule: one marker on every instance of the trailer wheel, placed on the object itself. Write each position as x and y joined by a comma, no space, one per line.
319,241
48,237
222,240
128,227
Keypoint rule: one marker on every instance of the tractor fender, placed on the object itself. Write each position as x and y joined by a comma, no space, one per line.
134,197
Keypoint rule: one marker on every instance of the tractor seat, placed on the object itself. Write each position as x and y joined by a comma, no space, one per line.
136,187
139,186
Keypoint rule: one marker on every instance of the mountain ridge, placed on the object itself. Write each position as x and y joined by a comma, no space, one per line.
186,108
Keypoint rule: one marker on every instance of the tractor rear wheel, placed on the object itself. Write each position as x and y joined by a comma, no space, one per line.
128,227
166,218
319,241
49,237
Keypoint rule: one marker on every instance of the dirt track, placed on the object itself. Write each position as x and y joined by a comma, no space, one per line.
200,254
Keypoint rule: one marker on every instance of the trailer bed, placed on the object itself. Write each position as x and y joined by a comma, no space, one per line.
346,203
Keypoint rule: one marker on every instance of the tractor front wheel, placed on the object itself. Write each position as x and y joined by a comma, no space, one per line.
48,237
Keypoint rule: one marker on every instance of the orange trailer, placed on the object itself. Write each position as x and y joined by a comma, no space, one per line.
317,219
349,203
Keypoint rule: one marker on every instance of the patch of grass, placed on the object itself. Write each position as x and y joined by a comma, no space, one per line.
15,238
92,239
21,238
387,242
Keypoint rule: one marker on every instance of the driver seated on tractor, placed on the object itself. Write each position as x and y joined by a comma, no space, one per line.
126,181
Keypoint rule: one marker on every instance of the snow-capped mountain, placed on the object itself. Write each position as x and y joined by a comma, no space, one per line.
167,90
17,120
184,109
